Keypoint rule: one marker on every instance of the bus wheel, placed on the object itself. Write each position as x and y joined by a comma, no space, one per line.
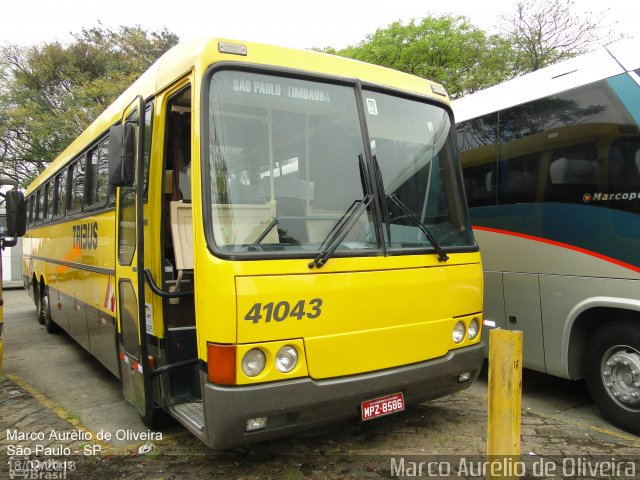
154,417
44,311
42,303
613,373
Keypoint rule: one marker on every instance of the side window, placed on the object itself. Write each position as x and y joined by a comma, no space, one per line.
77,181
61,194
127,225
178,144
127,209
48,201
477,141
103,189
576,165
129,318
518,178
519,154
624,174
127,218
98,175
39,205
557,148
30,204
624,165
148,125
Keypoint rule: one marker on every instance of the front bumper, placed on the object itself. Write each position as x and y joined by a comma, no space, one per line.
302,404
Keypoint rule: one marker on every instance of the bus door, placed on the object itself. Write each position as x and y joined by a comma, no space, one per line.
126,170
180,380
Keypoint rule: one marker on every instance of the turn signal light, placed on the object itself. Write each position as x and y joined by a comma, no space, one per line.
221,363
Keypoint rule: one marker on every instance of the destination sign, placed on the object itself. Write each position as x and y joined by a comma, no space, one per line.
276,89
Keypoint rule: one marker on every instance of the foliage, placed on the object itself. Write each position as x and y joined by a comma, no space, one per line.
447,49
50,93
544,32
450,50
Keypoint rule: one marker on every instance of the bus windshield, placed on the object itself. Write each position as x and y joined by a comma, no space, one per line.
412,143
285,161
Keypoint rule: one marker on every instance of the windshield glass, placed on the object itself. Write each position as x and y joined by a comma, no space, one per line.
414,147
286,159
283,163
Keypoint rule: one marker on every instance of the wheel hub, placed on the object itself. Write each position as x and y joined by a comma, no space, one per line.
621,375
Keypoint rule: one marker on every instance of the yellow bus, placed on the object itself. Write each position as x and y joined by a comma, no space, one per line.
259,240
12,226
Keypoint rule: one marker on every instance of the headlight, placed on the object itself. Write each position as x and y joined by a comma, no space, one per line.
474,328
286,358
458,332
253,362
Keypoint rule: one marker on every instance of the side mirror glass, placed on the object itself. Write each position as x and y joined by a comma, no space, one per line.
16,214
122,155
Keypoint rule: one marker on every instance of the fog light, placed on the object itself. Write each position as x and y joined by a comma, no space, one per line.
253,362
286,358
464,377
254,424
458,332
474,328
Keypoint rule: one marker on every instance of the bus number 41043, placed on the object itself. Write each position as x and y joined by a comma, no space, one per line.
280,311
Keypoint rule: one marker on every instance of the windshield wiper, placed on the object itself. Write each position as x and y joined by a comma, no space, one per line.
380,182
264,233
442,257
340,230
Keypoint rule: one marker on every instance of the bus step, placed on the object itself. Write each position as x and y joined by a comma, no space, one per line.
192,413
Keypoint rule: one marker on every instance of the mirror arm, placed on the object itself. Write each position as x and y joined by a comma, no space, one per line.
8,242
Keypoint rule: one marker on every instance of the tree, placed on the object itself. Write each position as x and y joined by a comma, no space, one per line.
447,49
544,32
50,93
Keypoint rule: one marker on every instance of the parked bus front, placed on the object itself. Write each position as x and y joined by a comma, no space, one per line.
335,215
288,243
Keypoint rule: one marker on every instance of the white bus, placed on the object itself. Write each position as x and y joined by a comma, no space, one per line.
551,166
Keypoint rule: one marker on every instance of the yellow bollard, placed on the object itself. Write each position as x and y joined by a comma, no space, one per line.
504,393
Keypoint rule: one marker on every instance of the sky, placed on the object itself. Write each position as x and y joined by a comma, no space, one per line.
293,23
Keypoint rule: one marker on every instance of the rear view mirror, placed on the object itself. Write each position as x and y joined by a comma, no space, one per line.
122,154
16,214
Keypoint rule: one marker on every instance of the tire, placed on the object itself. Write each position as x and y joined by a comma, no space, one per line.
44,311
613,373
154,418
41,306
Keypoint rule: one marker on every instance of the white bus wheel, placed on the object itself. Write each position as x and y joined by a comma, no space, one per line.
613,372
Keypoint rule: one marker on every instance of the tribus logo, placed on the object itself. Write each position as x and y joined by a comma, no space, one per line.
85,236
600,197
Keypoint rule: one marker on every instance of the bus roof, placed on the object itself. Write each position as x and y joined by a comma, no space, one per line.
584,69
201,53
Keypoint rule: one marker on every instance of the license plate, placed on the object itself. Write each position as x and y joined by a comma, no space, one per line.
379,407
